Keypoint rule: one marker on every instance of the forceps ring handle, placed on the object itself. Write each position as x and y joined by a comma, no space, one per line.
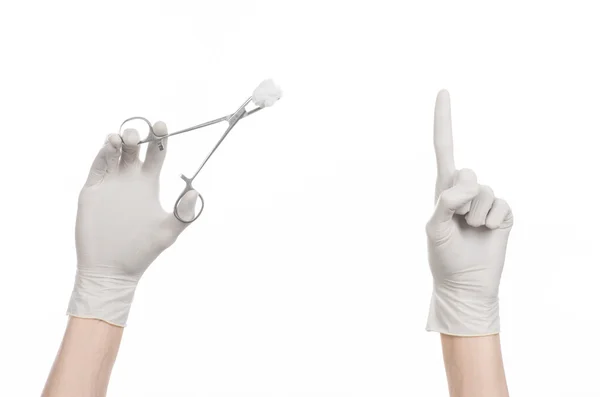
188,187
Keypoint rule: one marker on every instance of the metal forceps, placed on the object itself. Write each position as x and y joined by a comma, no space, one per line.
231,119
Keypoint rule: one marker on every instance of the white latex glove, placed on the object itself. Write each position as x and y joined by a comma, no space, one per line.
121,227
467,239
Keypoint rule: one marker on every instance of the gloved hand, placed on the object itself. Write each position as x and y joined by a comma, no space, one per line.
121,227
467,239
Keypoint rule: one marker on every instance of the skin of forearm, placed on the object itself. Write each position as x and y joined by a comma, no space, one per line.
474,366
85,359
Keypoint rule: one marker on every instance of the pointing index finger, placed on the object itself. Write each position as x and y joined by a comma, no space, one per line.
442,139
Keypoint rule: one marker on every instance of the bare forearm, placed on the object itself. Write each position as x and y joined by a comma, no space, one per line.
85,359
474,366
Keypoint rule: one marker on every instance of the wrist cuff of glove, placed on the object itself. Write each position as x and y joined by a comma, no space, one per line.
451,313
101,297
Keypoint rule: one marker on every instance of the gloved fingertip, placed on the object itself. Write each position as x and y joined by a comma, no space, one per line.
115,141
160,128
189,199
131,137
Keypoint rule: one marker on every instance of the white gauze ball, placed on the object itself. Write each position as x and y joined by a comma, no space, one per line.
266,94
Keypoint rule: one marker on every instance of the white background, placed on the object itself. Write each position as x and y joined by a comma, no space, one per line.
307,273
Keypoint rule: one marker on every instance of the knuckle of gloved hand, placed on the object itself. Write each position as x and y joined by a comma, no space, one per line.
474,220
466,174
486,190
502,204
492,224
510,219
472,189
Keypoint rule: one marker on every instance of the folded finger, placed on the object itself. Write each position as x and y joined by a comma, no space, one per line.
480,206
465,175
500,215
451,200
